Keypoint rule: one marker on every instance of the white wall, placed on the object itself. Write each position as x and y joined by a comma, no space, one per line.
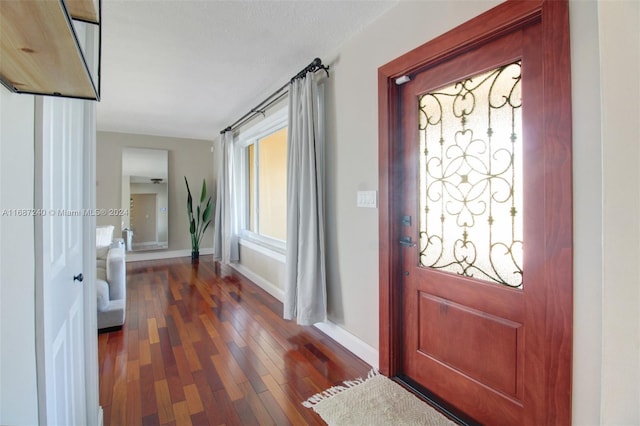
587,198
18,392
619,30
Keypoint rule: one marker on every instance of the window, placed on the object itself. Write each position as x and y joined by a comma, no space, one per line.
267,194
262,180
471,187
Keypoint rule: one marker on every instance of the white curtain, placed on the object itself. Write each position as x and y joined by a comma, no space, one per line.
305,281
225,231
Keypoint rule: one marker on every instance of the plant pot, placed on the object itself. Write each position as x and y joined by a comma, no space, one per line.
195,256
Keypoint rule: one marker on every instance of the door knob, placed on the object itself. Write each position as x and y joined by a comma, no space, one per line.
78,277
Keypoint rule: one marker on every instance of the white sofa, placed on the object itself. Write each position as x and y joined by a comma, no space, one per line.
111,282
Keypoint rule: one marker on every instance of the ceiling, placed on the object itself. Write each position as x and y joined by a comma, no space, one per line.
189,69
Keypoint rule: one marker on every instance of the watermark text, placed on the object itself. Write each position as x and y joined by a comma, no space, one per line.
63,212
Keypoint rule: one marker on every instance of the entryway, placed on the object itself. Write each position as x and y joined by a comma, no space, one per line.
476,218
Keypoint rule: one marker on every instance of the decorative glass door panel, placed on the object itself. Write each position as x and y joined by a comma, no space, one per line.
470,171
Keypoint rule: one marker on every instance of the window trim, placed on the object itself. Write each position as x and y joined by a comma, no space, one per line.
271,124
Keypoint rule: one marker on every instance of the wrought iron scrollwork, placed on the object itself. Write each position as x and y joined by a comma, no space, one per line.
471,177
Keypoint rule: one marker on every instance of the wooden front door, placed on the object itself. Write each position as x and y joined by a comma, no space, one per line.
479,184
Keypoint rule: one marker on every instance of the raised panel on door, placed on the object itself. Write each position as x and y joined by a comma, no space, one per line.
456,336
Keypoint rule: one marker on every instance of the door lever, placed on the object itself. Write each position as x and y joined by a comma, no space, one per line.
406,242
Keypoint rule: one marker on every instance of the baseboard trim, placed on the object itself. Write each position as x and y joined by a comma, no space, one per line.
267,286
356,346
352,343
156,255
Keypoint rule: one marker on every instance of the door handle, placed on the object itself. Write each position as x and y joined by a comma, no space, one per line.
78,277
406,242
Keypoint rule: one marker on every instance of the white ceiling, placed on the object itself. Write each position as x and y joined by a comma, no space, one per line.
190,68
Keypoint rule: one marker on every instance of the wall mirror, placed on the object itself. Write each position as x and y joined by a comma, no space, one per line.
145,195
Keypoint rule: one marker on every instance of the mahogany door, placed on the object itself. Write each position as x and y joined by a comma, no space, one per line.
484,278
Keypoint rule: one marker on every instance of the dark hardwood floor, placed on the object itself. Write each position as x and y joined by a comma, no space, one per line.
202,345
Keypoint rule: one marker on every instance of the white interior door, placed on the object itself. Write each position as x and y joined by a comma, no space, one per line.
59,248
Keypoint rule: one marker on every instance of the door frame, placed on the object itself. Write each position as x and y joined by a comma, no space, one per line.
92,386
555,405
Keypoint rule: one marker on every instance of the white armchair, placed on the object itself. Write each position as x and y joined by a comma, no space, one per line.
111,283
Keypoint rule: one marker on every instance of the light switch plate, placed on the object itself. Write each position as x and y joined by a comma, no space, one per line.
368,199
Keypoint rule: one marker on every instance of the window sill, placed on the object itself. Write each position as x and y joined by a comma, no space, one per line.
266,249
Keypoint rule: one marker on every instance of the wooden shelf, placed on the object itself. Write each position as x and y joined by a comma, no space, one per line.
84,10
39,51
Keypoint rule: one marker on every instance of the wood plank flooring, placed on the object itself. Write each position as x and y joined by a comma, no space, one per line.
202,345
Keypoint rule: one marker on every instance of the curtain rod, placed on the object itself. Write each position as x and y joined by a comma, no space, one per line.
273,98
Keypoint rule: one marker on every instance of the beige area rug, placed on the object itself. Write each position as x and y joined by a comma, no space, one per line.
375,400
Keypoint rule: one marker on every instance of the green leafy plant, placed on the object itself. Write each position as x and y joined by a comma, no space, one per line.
199,222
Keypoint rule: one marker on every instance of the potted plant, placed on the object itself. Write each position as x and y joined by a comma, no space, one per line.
199,222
